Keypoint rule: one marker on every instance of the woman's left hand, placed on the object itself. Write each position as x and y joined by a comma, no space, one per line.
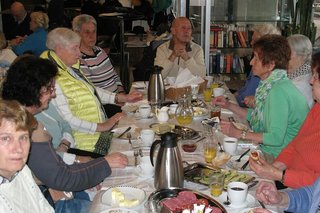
265,170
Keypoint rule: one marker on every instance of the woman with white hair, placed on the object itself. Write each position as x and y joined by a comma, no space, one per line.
299,70
77,100
36,42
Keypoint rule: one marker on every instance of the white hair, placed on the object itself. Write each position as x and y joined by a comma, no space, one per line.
61,36
301,45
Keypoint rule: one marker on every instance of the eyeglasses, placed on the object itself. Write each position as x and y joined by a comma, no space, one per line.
49,89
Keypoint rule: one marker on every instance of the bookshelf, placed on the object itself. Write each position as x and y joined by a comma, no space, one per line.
223,29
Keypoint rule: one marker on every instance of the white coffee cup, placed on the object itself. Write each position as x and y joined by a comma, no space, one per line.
194,90
237,193
144,110
147,136
209,80
218,92
145,167
230,145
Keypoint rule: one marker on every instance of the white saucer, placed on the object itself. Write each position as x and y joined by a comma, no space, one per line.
250,202
248,209
139,173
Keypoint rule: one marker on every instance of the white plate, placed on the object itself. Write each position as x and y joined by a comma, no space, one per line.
129,193
250,202
140,85
119,210
129,108
233,164
204,112
133,132
248,209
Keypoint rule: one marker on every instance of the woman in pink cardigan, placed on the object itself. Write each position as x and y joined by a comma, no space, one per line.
298,164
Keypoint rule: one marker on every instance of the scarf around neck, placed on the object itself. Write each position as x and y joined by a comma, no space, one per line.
304,69
262,93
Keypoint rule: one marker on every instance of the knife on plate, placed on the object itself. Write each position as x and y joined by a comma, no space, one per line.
124,132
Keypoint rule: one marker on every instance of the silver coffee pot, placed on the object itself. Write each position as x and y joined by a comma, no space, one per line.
168,165
156,87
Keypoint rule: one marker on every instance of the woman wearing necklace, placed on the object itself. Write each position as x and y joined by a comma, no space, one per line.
280,108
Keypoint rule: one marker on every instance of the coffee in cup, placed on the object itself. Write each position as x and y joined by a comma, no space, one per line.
237,193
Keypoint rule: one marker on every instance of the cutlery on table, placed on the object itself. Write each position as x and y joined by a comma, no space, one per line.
221,149
231,119
124,132
262,205
140,153
129,137
199,140
242,155
253,184
227,202
245,165
135,154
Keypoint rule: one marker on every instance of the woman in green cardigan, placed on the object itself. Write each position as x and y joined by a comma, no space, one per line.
280,108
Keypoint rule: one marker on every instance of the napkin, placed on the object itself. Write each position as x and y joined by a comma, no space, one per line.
184,78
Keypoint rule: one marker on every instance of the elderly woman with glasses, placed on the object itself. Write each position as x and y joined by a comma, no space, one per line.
18,190
297,165
280,108
31,81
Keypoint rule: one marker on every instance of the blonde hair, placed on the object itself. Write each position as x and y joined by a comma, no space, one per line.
265,29
61,36
40,19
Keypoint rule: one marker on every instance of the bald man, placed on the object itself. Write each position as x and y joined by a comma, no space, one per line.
18,25
180,51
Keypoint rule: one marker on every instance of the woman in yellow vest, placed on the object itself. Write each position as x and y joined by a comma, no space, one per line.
77,100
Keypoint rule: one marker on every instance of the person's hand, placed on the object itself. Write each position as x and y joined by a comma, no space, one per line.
265,170
227,128
17,40
117,160
108,124
83,159
249,101
260,210
267,193
179,50
131,97
221,101
63,146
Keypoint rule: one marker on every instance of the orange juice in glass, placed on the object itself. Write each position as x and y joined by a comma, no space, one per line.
214,85
207,93
216,183
209,151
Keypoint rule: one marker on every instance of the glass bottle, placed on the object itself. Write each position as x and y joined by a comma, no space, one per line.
184,112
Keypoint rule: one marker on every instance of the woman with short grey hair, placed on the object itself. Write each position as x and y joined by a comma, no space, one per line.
79,20
299,70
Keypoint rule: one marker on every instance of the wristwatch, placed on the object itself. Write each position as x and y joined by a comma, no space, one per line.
244,134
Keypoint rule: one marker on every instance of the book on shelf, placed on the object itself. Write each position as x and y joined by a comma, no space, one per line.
225,63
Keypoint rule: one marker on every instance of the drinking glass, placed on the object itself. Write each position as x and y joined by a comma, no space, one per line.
207,93
209,150
216,183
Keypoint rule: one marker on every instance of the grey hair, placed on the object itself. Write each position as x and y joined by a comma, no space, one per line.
266,29
79,20
301,45
3,41
61,36
41,19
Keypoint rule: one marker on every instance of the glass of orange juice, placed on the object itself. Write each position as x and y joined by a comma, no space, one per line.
216,183
207,93
209,150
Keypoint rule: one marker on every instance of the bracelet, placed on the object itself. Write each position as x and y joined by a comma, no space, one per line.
282,178
66,145
243,134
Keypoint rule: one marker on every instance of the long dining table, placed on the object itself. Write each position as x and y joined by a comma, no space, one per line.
130,175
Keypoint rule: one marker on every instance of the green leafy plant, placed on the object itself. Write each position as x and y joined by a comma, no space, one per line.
301,15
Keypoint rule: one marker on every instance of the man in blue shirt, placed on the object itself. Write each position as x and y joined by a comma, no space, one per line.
306,199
